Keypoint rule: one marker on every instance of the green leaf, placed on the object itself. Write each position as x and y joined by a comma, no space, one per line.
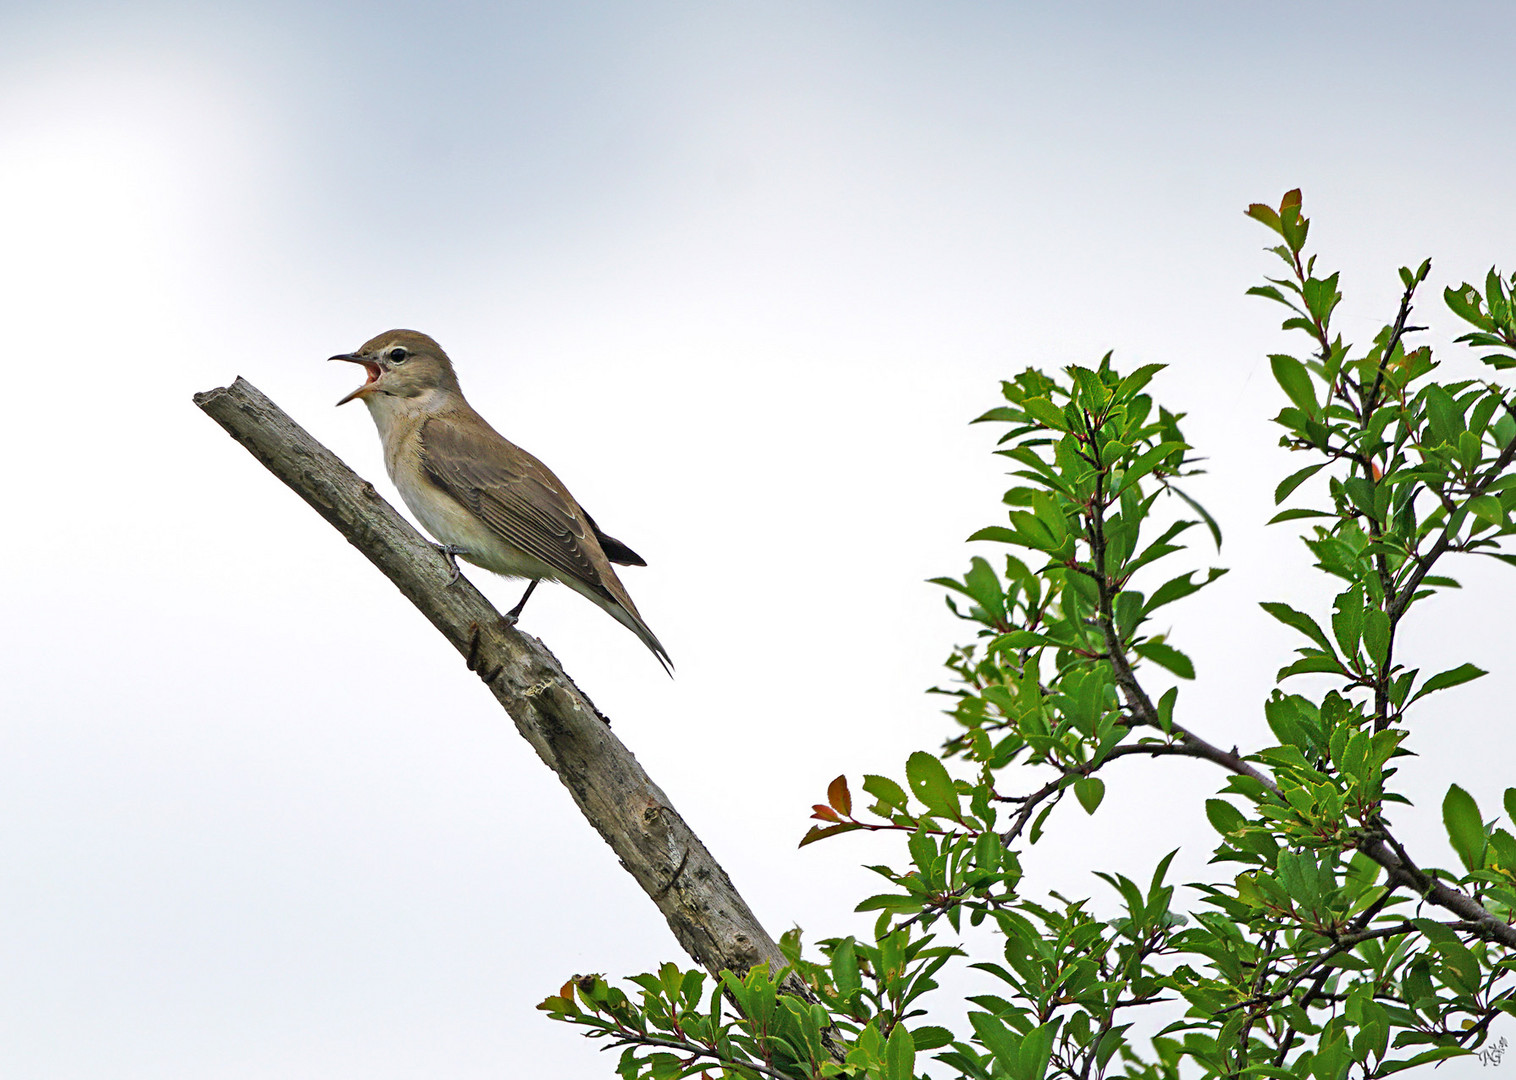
900,1055
998,1039
1223,816
1310,665
1468,305
1264,213
1210,522
1460,814
885,790
1089,790
1444,417
1295,479
931,1037
1019,639
1181,586
1295,380
1459,964
1000,533
984,587
931,784
821,832
1046,413
1137,380
1166,656
1488,508
1296,513
1347,620
1147,463
1298,620
845,972
1452,677
1376,634
1166,709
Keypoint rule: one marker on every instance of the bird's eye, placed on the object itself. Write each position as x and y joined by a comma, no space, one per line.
398,355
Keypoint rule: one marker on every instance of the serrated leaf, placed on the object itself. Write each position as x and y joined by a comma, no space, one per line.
1488,508
1295,514
900,1055
1223,816
1452,677
1264,213
1146,463
1444,417
1179,587
1309,665
885,790
998,1039
1046,413
838,795
1299,620
1019,639
931,1037
1376,634
1347,621
1295,479
999,533
821,832
1295,380
1137,380
1166,656
1460,815
1205,515
931,784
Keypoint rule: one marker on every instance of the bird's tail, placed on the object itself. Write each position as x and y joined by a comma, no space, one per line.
633,622
611,597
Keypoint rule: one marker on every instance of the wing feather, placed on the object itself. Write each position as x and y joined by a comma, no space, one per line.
515,495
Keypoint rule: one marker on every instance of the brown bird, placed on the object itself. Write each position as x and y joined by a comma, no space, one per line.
485,498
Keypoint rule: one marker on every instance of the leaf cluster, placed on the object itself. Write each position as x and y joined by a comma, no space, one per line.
1321,947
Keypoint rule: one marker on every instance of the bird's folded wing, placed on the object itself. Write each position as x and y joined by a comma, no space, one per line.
514,494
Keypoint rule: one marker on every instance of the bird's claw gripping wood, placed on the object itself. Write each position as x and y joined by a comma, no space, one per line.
451,552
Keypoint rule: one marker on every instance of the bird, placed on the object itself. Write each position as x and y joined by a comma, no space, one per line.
487,500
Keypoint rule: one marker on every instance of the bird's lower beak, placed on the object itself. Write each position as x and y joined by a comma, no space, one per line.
369,365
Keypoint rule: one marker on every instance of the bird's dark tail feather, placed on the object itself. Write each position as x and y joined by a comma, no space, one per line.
614,549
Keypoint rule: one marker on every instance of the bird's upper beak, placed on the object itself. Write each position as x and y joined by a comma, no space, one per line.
370,365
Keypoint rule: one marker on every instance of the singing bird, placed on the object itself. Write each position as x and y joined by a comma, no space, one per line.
486,499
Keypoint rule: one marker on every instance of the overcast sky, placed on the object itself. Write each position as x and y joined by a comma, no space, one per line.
740,273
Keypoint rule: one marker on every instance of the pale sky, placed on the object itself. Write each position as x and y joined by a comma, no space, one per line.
740,273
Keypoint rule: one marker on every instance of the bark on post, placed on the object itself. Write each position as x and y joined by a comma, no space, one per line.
707,915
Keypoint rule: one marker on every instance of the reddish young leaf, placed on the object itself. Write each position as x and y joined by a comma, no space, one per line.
824,813
837,794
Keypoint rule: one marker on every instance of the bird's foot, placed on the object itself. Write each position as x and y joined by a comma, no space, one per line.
451,553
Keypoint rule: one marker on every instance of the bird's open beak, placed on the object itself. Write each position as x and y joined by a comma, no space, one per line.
370,365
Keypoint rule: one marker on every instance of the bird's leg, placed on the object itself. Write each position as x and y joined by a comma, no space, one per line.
515,613
451,553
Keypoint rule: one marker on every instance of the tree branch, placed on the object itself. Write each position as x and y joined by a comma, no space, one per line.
707,915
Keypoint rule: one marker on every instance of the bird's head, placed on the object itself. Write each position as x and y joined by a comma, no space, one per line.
403,364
